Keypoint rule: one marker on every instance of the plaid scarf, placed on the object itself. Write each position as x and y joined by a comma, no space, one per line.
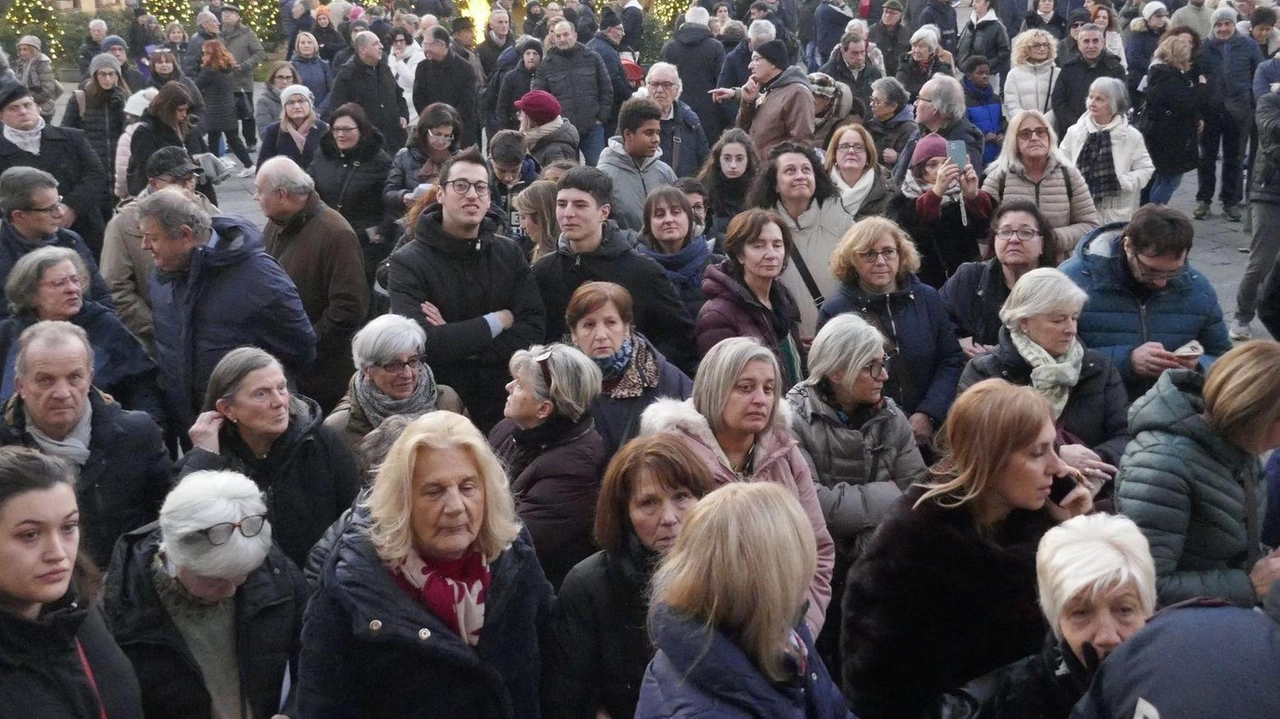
1098,167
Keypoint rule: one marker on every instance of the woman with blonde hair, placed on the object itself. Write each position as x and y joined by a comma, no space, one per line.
727,635
1191,476
947,586
852,162
433,602
537,207
1032,74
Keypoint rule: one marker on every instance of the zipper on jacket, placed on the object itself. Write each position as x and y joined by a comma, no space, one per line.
1142,318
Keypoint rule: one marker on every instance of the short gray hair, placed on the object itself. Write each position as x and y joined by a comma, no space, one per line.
98,23
201,500
1091,27
172,208
28,271
761,30
50,333
927,34
1093,554
17,184
575,379
948,96
363,39
719,371
846,343
1114,90
205,16
282,173
697,15
1041,291
385,338
893,90
668,67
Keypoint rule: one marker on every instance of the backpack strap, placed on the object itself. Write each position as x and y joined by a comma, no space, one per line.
80,101
1066,180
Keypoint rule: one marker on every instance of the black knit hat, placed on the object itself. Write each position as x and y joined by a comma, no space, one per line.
775,51
11,92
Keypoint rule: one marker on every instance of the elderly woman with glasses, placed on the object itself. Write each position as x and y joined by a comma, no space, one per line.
1109,152
207,608
892,121
433,603
392,377
1039,348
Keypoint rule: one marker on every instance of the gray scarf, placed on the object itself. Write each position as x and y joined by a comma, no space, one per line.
1053,377
75,448
378,406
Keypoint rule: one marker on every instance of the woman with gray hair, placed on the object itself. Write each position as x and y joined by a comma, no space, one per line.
1039,348
737,425
923,62
1110,153
253,424
552,452
392,377
206,607
892,121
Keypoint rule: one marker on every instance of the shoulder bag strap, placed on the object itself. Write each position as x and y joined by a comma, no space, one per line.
676,141
93,684
1048,95
1066,179
809,282
80,101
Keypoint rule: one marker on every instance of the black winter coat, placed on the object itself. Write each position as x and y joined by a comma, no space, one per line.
687,156
974,296
601,646
913,77
515,83
41,672
934,602
893,45
1055,26
330,40
467,279
948,243
580,81
352,183
618,418
122,484
698,56
371,650
1097,410
1042,686
309,475
152,135
268,627
218,88
444,82
373,88
82,178
1072,88
555,471
987,38
601,45
102,125
280,143
555,146
1170,118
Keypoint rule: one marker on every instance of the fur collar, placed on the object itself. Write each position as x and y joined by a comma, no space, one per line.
674,416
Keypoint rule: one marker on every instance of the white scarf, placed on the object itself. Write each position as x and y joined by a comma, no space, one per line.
75,448
28,140
853,196
533,134
1052,377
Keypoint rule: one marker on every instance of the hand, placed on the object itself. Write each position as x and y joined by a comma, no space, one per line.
408,199
506,318
1265,573
204,433
889,155
1093,470
948,175
1150,359
1191,362
68,217
432,313
969,183
723,94
947,57
750,90
1077,502
404,122
973,349
922,428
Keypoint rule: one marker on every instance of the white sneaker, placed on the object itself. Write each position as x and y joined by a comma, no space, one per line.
247,172
1240,331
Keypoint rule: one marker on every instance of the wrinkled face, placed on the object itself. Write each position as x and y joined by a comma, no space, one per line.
662,88
531,59
1054,331
397,377
750,403
1224,29
1090,44
298,10
881,107
39,538
447,511
1040,50
851,152
601,333
855,54
868,386
54,385
921,53
370,54
27,52
466,207
435,50
1094,626
97,32
733,160
523,406
1012,248
1026,479
274,202
669,225
500,24
563,36
260,407
346,134
465,38
21,114
43,214
119,54
210,590
59,293
210,27
298,108
764,255
171,253
1099,108
554,11
644,141
795,177
306,46
1033,140
657,511
579,215
762,70
877,264
926,113
230,18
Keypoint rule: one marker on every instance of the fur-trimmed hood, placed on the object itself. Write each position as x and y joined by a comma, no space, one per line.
674,416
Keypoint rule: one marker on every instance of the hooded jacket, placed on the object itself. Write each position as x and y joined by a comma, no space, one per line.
777,459
1196,496
231,294
698,56
829,21
558,144
982,107
782,113
632,181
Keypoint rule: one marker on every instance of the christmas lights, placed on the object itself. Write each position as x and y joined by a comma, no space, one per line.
33,17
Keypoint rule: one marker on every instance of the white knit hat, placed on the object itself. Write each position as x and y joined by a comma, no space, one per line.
1152,7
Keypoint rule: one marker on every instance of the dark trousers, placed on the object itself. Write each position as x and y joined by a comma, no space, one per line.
1221,129
248,127
235,143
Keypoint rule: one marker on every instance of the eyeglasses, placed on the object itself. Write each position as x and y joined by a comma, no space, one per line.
1025,234
343,130
922,98
462,187
660,85
74,280
220,534
439,136
878,367
51,209
1041,45
397,366
283,77
870,256
1027,133
1147,272
544,364
851,147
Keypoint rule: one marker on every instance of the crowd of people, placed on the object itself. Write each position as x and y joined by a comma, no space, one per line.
839,361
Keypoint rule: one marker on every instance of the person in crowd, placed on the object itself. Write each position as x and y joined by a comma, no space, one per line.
1070,93
176,41
736,425
514,84
891,35
320,252
313,70
366,81
28,140
475,319
744,296
297,132
727,175
725,635
1145,302
92,46
1044,16
851,68
940,206
166,67
681,138
129,74
416,168
982,105
1110,153
1030,167
940,110
436,80
1261,26
167,122
696,58
253,424
404,58
985,36
579,80
1034,72
1104,17
591,248
207,28
438,542
134,108
31,214
269,106
552,452
463,35
825,30
922,62
607,43
538,225
852,162
497,38
1251,297
891,120
549,136
207,569
1228,63
119,456
34,70
60,658
833,107
217,82
876,264
977,522
98,109
633,162
351,171
1197,15
243,44
296,18
1170,117
670,238
776,103
1039,348
601,645
1197,439
735,71
331,41
1145,36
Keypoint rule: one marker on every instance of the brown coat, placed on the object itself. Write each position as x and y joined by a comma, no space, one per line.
785,113
319,251
349,419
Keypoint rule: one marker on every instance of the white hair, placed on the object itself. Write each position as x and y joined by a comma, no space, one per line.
1093,554
948,95
205,17
667,67
697,15
385,338
201,500
927,34
282,173
762,30
98,23
1042,291
845,343
857,25
575,378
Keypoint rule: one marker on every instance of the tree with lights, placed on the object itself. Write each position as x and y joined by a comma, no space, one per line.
167,11
39,18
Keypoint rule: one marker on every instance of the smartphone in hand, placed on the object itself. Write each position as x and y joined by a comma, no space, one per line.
958,152
1062,486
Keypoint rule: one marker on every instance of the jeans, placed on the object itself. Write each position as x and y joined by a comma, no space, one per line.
592,144
1221,129
1163,187
1263,250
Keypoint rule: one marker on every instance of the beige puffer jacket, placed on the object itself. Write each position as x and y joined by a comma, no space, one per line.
1071,213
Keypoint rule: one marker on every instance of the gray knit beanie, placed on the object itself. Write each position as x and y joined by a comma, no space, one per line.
103,61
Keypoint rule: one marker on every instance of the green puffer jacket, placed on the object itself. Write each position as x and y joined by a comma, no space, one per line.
1196,496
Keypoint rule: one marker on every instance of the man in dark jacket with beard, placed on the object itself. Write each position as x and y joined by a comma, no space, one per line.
1072,87
437,79
214,289
470,288
577,76
607,43
698,57
367,81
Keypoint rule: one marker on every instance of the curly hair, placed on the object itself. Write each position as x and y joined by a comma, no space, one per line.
764,191
1022,46
725,196
217,57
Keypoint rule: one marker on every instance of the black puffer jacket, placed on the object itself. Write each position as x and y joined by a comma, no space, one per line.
974,296
513,86
309,476
1097,408
268,627
580,81
352,182
1042,686
150,136
1170,118
102,123
218,88
698,56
